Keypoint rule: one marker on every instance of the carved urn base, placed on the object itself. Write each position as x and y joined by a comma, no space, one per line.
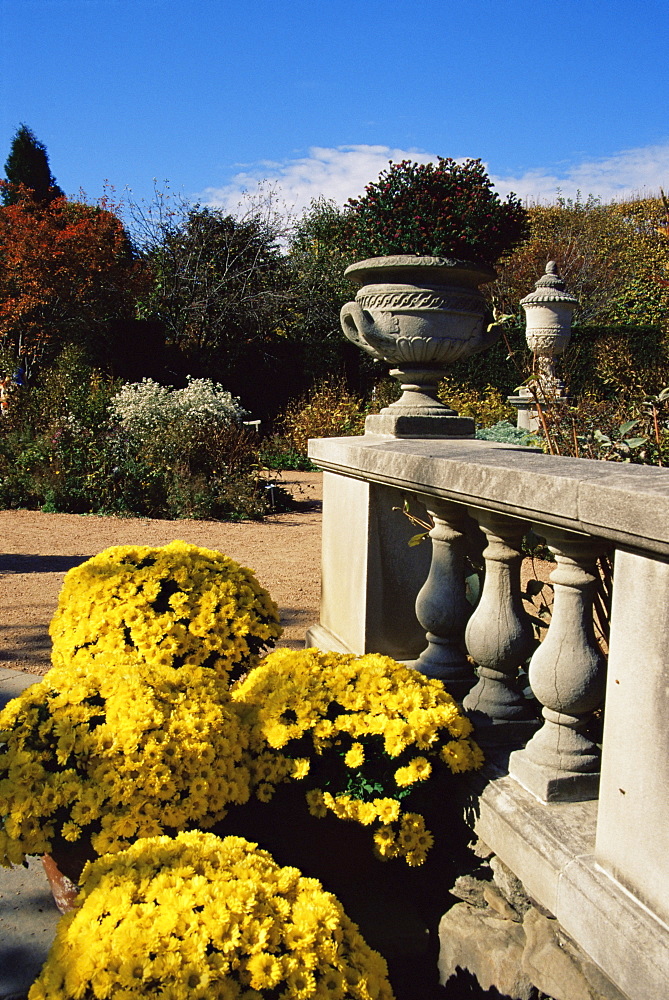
415,425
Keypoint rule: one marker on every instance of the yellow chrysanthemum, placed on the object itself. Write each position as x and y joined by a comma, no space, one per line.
265,971
172,605
301,767
139,757
387,809
355,756
371,704
199,918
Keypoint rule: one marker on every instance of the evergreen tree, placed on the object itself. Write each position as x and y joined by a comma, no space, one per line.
28,164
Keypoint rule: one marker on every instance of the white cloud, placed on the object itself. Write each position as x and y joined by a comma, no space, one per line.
342,172
631,172
339,173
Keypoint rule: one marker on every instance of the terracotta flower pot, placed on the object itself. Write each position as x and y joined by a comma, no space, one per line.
63,889
63,868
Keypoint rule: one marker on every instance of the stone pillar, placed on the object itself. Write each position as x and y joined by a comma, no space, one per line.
441,606
548,316
500,638
561,762
633,818
370,576
526,416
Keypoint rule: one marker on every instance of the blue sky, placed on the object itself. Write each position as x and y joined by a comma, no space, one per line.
214,95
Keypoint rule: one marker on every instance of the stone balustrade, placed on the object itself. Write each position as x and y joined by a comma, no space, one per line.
582,820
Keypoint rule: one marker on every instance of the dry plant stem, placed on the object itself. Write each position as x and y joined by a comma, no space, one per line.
416,521
550,441
602,597
657,436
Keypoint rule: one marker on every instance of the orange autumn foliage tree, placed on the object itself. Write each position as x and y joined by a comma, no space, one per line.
67,269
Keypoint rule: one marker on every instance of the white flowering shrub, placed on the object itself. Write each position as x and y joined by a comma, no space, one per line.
204,401
142,408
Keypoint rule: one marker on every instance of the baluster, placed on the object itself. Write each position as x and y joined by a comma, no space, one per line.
567,675
499,638
441,606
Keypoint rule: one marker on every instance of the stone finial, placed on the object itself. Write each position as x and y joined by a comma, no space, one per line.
549,288
548,313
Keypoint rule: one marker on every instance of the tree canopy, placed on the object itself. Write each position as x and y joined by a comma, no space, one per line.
27,167
66,270
220,283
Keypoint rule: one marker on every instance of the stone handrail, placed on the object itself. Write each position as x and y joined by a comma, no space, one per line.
622,503
566,813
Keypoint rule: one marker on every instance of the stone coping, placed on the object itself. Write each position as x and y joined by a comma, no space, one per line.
622,503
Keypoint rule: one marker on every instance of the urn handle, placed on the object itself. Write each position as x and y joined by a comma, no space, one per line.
357,325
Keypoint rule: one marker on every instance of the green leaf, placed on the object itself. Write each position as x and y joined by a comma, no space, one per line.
635,442
417,539
533,541
473,588
627,426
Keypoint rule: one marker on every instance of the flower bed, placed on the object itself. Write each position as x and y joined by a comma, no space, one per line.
142,730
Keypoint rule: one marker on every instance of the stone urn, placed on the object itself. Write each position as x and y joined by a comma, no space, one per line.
548,314
419,315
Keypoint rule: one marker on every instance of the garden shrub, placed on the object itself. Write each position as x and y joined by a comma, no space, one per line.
328,410
624,430
279,453
507,433
616,362
78,442
444,209
486,405
143,408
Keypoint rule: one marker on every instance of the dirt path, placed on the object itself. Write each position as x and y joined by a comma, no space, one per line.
37,549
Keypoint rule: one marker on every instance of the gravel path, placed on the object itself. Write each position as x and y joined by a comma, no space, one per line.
37,549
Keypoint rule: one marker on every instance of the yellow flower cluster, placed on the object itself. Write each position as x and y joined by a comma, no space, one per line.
174,605
364,731
199,918
115,755
411,840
